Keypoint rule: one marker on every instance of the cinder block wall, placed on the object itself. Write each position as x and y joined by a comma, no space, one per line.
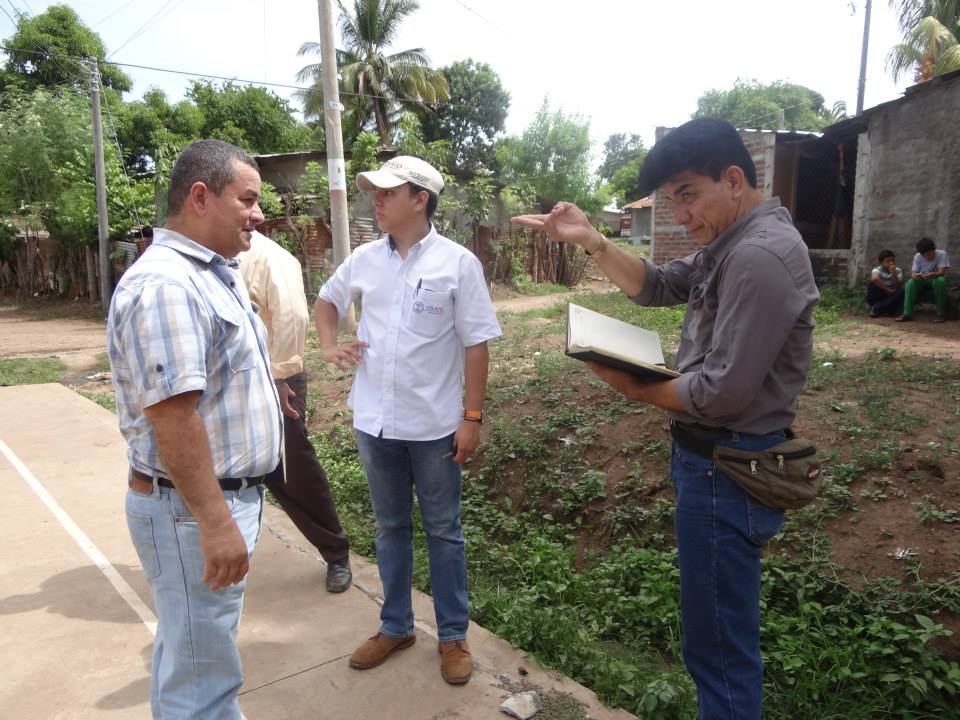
908,178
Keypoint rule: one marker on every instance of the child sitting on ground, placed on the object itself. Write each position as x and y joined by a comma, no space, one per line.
885,291
929,271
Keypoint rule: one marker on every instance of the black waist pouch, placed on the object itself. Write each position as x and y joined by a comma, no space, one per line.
785,476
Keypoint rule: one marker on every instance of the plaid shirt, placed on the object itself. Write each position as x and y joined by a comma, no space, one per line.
180,321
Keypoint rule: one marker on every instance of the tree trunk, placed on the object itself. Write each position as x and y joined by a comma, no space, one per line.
380,114
92,285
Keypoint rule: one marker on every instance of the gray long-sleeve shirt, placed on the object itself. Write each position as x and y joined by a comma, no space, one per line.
748,334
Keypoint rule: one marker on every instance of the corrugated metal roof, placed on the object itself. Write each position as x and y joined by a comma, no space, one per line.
641,203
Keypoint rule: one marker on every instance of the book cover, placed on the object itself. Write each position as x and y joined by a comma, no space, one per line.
606,340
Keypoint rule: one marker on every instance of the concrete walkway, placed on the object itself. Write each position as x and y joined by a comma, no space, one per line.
76,621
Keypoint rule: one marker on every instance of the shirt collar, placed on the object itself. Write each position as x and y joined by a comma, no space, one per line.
419,246
185,246
716,251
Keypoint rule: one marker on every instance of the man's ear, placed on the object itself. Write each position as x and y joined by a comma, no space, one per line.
423,197
198,197
735,178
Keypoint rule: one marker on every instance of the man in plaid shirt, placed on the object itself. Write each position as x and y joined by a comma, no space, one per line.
198,408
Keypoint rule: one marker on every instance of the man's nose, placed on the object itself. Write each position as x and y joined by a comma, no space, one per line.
680,215
257,215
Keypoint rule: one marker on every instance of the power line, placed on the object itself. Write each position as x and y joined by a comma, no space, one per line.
114,13
264,83
157,16
135,215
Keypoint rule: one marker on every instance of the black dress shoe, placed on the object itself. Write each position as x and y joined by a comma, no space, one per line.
339,576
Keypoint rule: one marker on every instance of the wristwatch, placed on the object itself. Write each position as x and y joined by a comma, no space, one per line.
473,416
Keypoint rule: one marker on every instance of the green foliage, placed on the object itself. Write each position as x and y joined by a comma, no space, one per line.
553,155
8,237
270,203
930,48
57,32
473,116
363,157
30,371
622,158
46,168
757,105
374,84
250,117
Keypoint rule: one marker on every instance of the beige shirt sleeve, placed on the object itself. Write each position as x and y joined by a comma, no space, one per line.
275,282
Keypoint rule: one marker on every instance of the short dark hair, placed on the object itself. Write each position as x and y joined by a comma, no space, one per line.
706,146
884,254
926,245
432,200
208,161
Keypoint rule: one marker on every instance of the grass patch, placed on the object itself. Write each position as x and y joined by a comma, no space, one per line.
30,371
104,400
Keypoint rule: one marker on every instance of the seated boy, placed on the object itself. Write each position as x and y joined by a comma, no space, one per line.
929,271
885,291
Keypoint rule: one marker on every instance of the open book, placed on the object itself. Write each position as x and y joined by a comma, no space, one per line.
606,340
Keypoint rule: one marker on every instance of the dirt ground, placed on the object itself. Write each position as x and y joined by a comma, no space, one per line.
884,534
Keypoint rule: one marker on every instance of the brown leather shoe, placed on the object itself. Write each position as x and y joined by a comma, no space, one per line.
375,650
456,663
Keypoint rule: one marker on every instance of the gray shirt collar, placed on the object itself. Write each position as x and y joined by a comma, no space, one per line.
716,251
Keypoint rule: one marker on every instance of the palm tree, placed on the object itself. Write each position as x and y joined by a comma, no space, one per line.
930,30
371,81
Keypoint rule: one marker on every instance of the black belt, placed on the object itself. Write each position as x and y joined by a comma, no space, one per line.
225,483
698,439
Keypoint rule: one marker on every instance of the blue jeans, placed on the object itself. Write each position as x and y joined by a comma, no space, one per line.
394,469
720,535
196,670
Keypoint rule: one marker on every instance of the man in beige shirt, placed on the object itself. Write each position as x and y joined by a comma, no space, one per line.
275,282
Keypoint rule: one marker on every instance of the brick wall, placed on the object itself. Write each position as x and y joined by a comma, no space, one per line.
829,266
318,241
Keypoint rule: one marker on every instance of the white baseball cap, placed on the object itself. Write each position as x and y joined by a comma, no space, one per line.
399,170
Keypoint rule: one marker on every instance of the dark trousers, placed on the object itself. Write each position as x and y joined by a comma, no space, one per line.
305,496
881,302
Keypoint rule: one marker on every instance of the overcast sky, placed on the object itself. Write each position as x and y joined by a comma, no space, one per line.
627,65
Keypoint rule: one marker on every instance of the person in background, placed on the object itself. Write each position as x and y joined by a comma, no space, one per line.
885,289
929,272
274,280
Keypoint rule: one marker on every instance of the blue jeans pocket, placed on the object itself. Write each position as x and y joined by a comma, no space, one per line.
763,522
141,532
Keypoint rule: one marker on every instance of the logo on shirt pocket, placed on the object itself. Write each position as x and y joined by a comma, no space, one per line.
420,307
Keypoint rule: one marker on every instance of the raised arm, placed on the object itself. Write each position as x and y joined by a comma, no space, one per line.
567,223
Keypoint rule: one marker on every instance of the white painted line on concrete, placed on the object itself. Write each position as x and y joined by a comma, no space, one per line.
98,558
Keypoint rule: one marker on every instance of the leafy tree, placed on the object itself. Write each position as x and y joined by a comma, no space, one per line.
250,117
47,174
41,49
623,156
756,105
372,81
618,150
930,30
473,117
553,155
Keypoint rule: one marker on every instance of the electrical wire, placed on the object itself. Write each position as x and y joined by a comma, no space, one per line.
115,12
135,215
159,15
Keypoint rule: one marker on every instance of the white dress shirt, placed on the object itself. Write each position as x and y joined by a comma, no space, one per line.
417,316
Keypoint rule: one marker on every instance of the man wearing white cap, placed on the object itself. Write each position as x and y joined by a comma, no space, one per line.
421,373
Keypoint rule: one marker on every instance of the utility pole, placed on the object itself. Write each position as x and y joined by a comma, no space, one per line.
862,85
336,172
102,227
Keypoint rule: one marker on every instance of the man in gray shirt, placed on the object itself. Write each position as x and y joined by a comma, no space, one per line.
744,355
